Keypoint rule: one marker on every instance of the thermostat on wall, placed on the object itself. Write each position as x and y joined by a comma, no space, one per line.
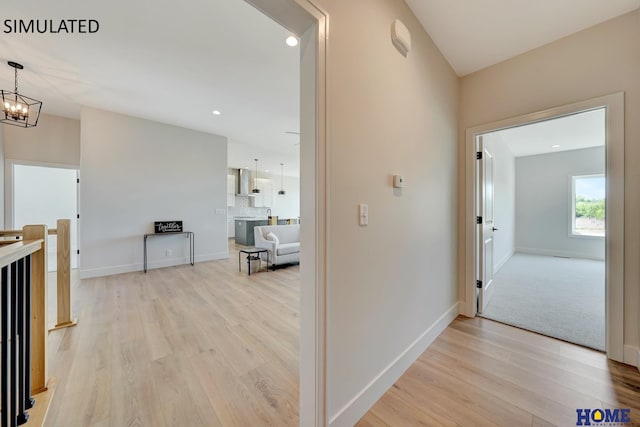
398,181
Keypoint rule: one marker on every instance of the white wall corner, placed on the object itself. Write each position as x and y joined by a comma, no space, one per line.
503,261
369,395
632,356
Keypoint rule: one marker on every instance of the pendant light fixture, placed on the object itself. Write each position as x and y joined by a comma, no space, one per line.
256,190
17,109
281,192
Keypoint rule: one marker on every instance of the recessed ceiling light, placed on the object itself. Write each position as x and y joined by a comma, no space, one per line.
292,41
266,170
555,146
216,112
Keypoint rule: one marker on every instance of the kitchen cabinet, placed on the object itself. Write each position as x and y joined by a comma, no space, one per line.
231,229
265,197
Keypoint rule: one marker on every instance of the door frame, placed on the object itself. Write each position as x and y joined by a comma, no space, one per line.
614,222
9,194
9,178
311,24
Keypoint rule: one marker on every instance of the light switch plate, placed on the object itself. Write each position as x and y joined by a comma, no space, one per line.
220,211
363,212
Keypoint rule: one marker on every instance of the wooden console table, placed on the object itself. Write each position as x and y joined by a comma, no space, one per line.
173,233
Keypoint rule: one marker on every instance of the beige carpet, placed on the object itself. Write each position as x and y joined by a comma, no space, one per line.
560,297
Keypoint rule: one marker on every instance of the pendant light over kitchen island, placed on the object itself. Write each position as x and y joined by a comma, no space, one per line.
281,192
256,190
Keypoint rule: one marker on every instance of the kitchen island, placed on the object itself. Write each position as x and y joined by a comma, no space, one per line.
244,229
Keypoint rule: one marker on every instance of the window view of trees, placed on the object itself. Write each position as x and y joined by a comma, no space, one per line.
589,205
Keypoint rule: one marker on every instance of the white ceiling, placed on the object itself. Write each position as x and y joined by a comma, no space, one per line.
172,62
474,34
175,62
582,130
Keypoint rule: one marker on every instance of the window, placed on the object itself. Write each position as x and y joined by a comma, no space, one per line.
588,205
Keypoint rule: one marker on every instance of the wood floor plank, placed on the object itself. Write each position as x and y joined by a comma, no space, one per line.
559,370
185,402
481,364
275,391
233,402
489,406
516,373
397,410
372,420
539,422
197,346
535,343
210,346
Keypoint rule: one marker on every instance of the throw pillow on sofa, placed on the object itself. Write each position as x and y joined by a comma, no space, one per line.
273,237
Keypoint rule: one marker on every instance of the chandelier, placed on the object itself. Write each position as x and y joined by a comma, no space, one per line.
19,110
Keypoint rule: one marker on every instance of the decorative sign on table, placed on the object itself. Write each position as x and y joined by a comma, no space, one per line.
167,226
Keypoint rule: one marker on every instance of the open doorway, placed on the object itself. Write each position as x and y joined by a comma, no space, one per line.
42,195
478,275
542,196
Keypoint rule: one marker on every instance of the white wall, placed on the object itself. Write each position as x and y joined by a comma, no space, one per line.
391,284
241,155
543,203
287,206
504,209
598,61
134,172
55,140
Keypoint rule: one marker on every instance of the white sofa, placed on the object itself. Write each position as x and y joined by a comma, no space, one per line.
284,249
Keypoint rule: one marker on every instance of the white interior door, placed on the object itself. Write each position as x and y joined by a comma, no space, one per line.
485,224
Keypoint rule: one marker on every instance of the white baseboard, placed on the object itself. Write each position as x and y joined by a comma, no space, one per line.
212,257
367,397
632,356
551,252
502,262
89,273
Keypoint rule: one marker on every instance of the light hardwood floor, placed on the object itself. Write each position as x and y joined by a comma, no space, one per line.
483,373
180,346
208,346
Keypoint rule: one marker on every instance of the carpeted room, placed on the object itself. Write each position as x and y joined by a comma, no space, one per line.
549,246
